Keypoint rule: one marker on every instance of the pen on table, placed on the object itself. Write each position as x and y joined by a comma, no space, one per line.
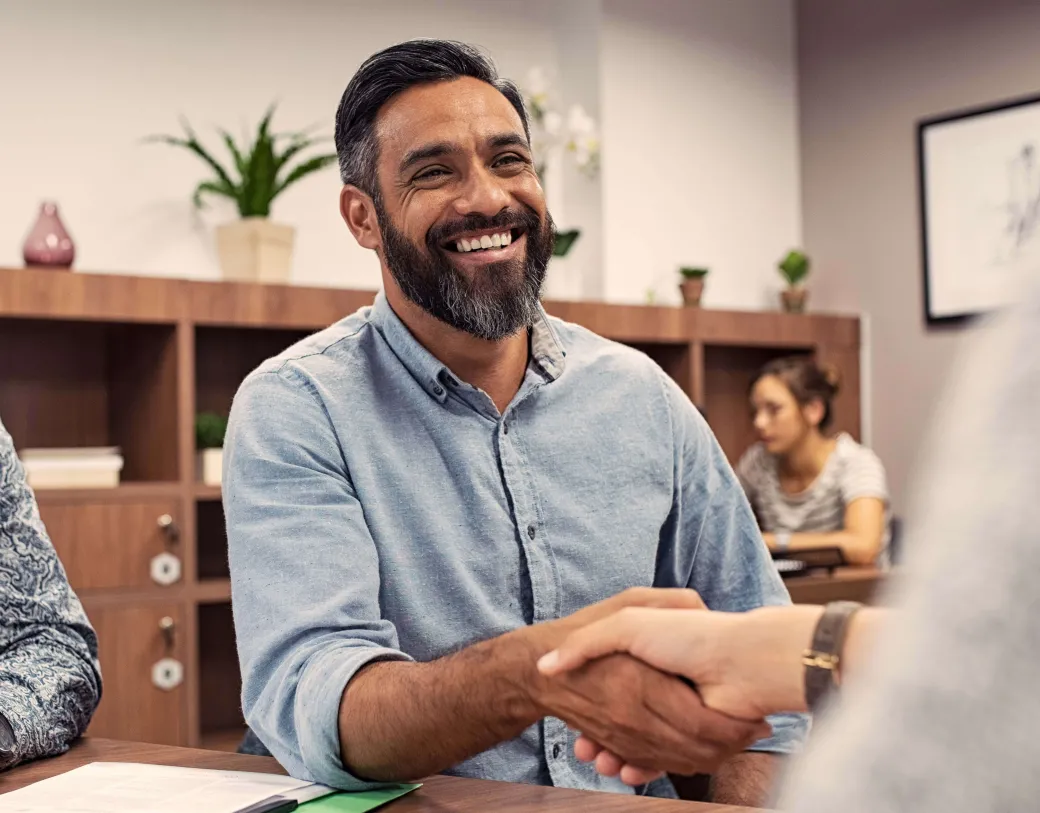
276,804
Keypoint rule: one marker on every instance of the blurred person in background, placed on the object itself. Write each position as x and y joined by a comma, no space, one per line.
50,681
939,711
809,489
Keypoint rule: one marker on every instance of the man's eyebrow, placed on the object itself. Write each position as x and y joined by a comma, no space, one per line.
508,140
424,152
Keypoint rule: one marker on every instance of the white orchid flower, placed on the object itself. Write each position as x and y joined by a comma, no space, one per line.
552,122
537,83
579,122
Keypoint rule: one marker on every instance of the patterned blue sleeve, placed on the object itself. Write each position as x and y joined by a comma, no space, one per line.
50,681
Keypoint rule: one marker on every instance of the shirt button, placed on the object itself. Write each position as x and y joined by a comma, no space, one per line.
438,391
557,750
530,532
505,428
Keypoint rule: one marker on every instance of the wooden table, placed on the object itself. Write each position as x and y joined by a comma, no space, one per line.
443,794
845,584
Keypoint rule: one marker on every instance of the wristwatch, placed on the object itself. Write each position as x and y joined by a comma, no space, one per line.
822,660
783,541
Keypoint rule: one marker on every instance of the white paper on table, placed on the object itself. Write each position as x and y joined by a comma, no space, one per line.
125,787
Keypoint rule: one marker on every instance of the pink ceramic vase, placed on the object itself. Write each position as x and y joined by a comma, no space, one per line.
48,243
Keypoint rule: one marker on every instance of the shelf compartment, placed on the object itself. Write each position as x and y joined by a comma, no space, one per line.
80,384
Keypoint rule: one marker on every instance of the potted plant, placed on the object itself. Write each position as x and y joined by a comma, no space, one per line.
692,285
254,248
210,429
794,268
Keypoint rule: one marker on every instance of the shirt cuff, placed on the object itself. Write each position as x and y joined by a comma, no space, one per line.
318,699
789,733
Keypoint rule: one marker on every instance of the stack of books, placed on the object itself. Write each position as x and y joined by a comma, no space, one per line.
97,467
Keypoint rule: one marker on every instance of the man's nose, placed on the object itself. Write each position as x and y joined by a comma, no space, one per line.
482,194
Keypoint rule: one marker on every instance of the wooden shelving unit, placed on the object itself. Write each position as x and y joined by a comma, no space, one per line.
99,360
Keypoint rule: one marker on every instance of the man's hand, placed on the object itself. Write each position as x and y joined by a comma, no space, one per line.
399,721
550,634
747,665
646,718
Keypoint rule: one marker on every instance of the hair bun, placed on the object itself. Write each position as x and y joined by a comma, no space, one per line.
832,376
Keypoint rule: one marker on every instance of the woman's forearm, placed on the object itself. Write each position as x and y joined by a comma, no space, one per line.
765,652
858,550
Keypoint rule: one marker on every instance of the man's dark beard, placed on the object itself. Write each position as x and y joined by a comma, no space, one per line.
498,300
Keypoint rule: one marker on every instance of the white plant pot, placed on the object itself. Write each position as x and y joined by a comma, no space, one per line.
255,250
209,463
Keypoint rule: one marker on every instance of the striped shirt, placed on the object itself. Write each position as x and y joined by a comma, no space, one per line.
851,472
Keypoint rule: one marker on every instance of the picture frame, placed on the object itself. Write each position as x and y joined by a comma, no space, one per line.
979,198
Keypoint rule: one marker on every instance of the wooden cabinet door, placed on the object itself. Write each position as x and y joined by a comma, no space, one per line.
133,639
107,545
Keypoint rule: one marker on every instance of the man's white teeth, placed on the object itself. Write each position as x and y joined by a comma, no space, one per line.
485,242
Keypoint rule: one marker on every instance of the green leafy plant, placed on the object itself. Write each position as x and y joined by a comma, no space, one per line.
691,272
210,429
260,171
565,241
794,267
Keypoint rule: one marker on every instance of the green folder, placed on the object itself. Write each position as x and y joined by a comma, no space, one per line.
356,802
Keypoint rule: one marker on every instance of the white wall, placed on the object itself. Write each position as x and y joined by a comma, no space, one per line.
869,72
83,82
696,98
701,147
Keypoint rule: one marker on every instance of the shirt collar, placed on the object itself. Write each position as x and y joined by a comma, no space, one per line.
546,351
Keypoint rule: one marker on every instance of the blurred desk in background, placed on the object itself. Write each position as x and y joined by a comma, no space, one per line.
845,584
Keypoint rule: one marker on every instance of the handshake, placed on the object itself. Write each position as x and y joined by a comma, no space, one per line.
623,672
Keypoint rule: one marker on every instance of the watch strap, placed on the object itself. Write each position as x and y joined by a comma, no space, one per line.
822,660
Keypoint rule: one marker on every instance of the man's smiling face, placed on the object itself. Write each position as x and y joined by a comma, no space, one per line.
464,228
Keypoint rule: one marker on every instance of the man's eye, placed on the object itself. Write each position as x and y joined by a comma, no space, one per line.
506,160
431,174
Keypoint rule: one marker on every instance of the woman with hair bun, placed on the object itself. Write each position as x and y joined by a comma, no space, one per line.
810,489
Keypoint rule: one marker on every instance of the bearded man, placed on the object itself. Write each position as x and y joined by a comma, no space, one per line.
432,493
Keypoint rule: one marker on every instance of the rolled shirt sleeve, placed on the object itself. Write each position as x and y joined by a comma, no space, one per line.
733,570
304,572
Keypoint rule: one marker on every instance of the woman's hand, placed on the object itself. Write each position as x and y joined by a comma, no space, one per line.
747,665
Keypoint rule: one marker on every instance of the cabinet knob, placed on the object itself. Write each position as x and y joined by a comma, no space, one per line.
165,569
169,527
168,627
167,674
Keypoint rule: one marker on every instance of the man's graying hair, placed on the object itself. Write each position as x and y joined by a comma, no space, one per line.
391,71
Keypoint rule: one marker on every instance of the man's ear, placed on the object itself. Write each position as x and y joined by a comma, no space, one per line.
359,213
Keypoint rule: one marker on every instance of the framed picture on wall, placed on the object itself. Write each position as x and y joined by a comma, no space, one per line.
979,181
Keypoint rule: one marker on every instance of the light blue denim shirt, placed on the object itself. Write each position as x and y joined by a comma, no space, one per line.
378,507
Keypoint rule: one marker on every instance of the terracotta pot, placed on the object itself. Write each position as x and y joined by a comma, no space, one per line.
794,299
48,244
691,290
255,250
